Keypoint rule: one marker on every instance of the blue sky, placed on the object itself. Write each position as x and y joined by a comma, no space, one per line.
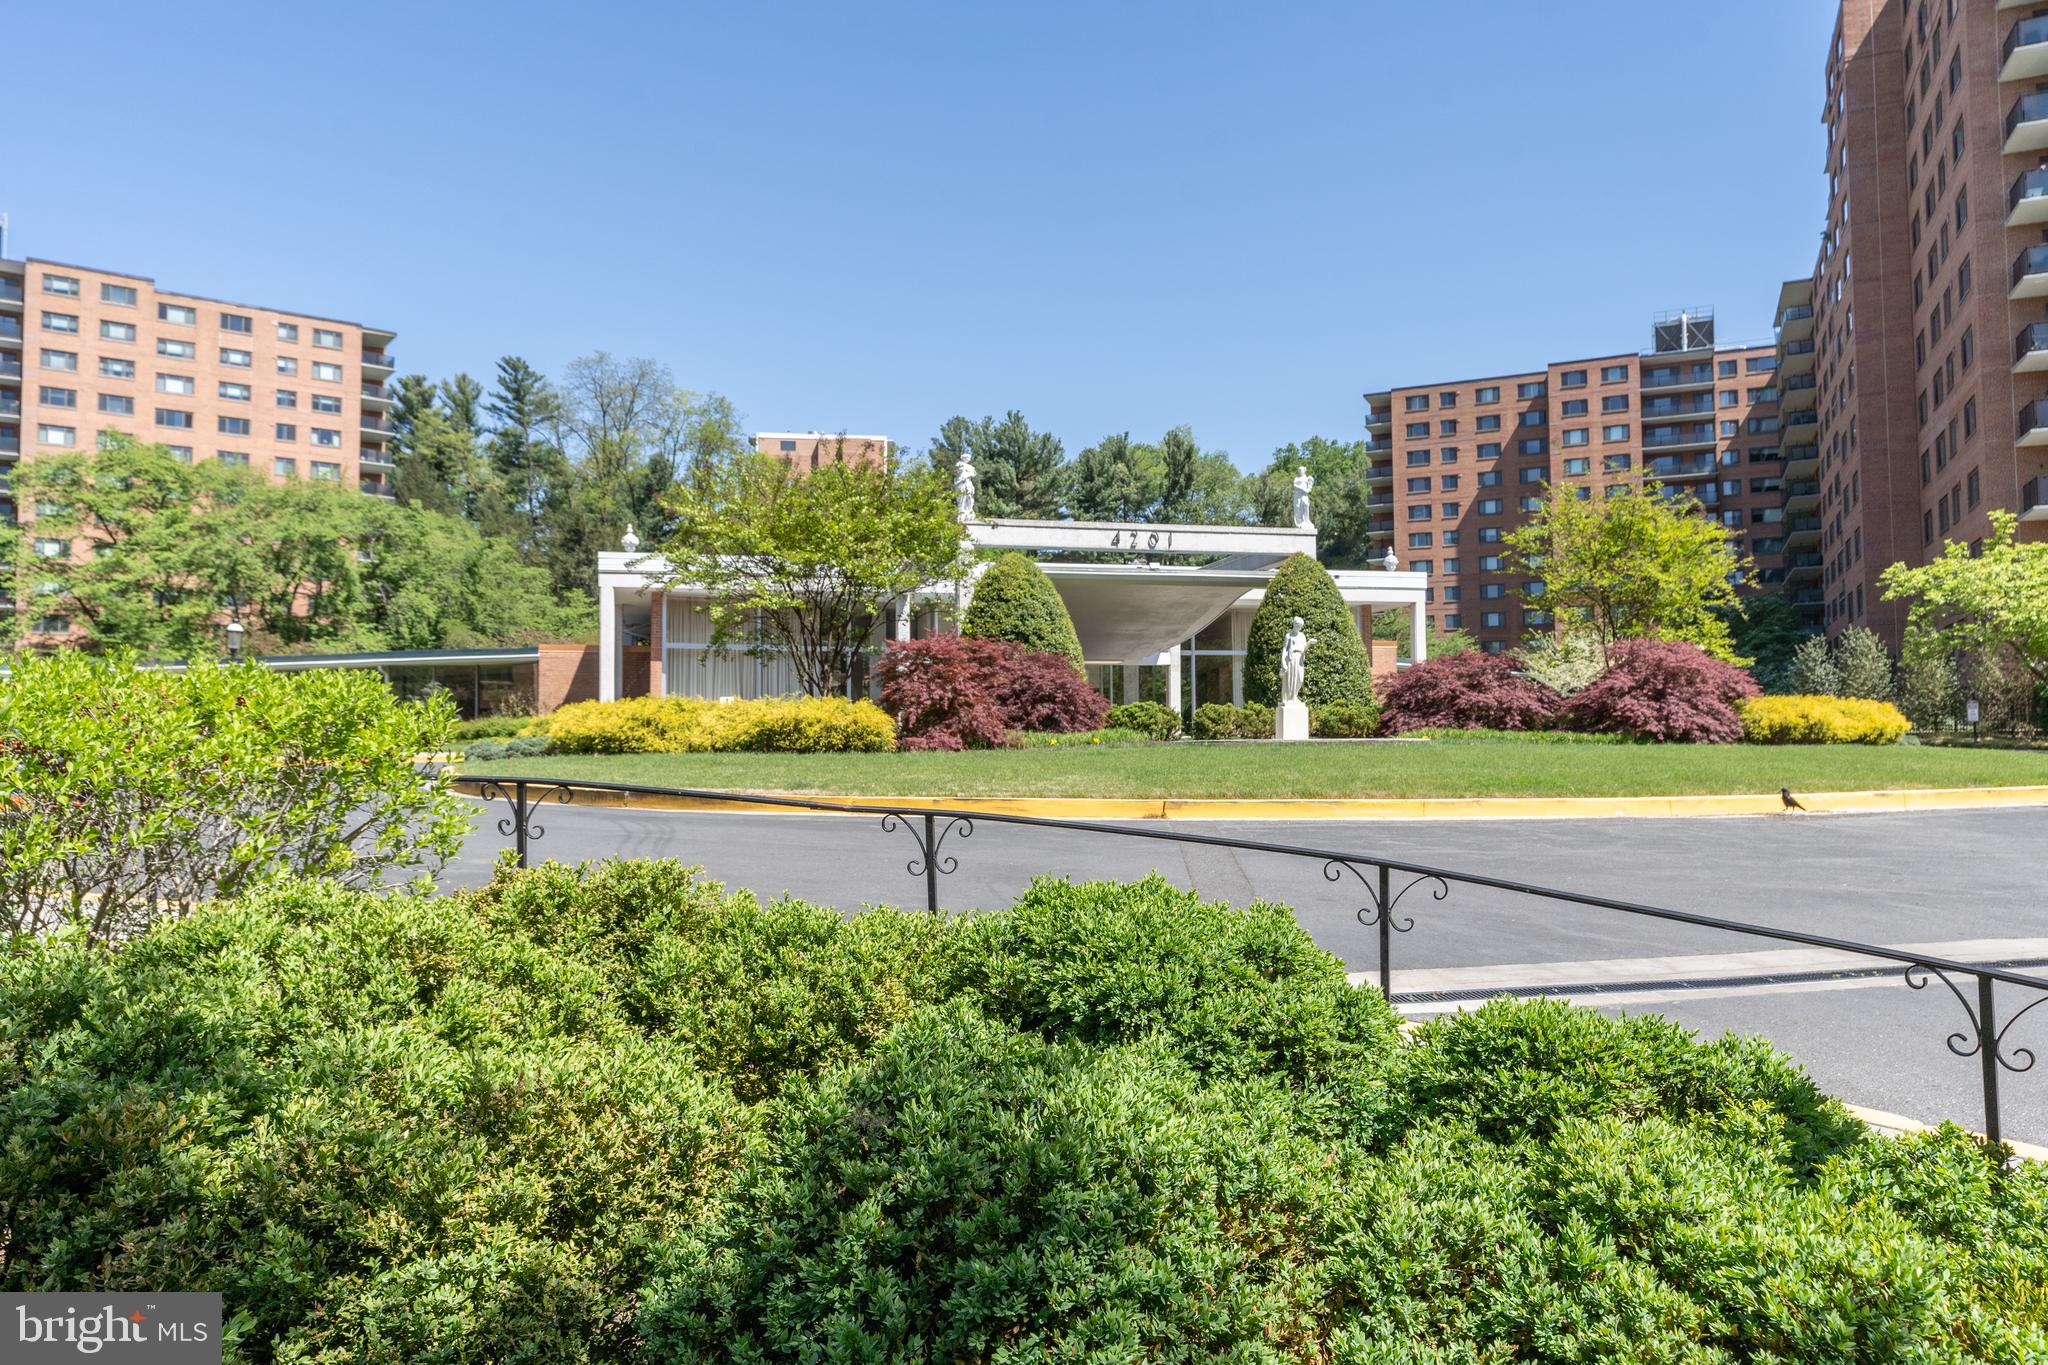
871,217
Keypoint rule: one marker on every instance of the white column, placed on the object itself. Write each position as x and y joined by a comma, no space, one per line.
1418,634
610,662
1173,678
1130,688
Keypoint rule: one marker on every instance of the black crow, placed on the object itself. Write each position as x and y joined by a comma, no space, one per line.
1791,801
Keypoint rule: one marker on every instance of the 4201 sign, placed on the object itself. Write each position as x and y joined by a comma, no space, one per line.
1138,538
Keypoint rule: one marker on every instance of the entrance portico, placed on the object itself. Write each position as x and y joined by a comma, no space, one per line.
1176,597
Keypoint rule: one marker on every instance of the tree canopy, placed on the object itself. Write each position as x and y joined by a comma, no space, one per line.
1990,604
1633,566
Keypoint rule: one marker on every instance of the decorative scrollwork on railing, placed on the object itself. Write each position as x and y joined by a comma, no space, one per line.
1369,914
523,798
1962,1044
1998,1041
929,841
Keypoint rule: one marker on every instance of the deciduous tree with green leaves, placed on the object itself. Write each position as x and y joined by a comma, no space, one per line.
1634,566
816,556
1988,605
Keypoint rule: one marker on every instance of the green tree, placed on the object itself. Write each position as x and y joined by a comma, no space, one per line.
1338,505
462,401
1930,686
1863,665
1634,566
1987,606
1766,629
815,555
1337,668
525,411
436,465
1393,625
1812,672
1178,456
1014,600
1022,473
1109,483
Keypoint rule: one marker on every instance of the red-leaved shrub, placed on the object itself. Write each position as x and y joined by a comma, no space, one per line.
1469,691
941,691
1663,690
1042,693
955,692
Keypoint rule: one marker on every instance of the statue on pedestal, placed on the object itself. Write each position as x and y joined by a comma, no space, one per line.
963,487
1290,720
1303,482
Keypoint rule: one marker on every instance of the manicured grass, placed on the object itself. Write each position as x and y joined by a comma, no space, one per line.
1441,767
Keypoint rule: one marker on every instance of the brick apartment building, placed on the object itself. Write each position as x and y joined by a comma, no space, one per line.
84,351
1458,464
813,449
1934,410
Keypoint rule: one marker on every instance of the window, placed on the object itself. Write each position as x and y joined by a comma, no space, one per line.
1613,374
1580,465
48,548
1420,485
1414,429
1419,512
1577,436
175,383
1450,537
60,322
1533,474
177,350
121,294
1489,507
60,360
182,454
287,398
112,368
1530,504
240,360
1575,407
1448,483
327,402
1489,450
1572,379
1418,540
1447,398
287,364
1489,394
1447,427
178,313
1535,390
1489,422
1730,398
1451,592
1448,455
238,458
287,432
65,285
117,405
1450,511
50,435
287,331
1725,370
284,467
1450,565
1614,402
238,393
1493,619
1415,457
232,426
237,322
1535,445
322,436
1494,591
1533,418
57,398
1614,433
326,469
1414,402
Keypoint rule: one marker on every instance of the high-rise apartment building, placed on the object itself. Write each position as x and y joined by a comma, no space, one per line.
86,351
1924,324
1458,464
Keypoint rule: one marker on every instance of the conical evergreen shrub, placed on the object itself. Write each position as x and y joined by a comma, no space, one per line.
1015,601
1337,670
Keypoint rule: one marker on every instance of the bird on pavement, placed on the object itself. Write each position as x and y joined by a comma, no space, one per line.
1791,801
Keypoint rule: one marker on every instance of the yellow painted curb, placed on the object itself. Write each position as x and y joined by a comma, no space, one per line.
1420,808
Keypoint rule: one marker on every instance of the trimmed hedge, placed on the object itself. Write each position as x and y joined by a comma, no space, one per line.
1337,668
1148,717
1822,720
691,725
1014,601
1220,720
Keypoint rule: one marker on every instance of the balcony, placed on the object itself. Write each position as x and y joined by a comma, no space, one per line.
1379,473
1801,531
2026,124
2031,426
1798,460
2030,273
1666,409
2026,51
1680,438
2026,203
1379,500
10,405
1797,393
376,427
1678,377
1380,528
10,291
377,360
1800,426
1679,467
10,329
10,367
1811,597
1796,322
378,397
1803,496
2030,349
374,457
1796,357
1380,422
2034,500
10,445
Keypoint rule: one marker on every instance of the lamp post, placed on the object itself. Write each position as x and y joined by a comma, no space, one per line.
235,634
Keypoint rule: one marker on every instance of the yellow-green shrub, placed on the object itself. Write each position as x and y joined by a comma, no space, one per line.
1822,720
686,725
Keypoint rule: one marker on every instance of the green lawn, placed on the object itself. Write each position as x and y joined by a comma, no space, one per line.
1442,767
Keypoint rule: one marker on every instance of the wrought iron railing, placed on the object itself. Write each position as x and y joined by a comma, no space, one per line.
1385,883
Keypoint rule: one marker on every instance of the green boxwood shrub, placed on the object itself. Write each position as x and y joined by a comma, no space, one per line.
1014,600
1343,720
1220,720
1337,669
1157,721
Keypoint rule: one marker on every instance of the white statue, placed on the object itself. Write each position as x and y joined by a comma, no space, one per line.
630,543
1293,654
963,487
1302,484
1390,563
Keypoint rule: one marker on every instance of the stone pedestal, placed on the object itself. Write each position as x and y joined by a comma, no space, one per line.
1290,721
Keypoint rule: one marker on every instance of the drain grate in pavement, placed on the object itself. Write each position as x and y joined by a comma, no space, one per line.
1689,984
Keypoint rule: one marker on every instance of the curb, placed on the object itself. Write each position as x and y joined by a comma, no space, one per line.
1419,808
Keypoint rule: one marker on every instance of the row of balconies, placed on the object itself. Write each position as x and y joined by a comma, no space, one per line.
1678,377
